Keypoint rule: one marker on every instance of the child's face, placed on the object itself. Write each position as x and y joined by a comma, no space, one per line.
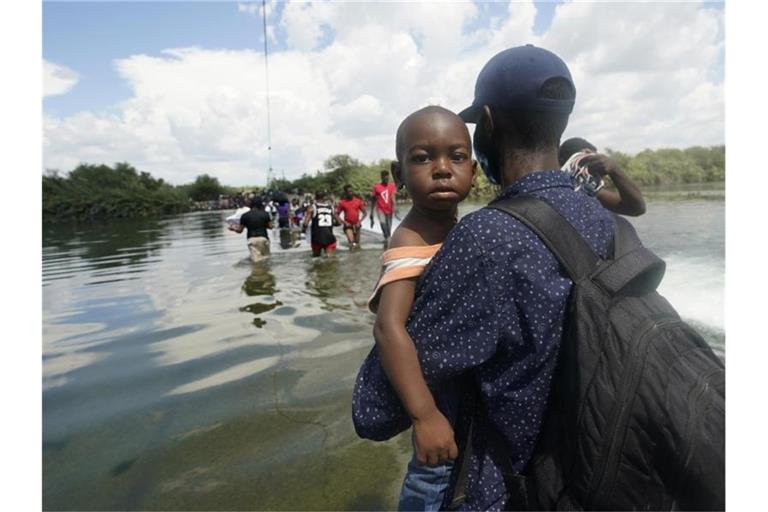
436,165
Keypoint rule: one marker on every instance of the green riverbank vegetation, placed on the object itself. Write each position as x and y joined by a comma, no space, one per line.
101,191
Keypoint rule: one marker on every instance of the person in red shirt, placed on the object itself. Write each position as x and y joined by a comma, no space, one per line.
351,206
383,203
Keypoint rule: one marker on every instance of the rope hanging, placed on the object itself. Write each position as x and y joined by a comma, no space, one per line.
266,79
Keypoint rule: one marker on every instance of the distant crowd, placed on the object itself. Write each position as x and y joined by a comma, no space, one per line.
292,216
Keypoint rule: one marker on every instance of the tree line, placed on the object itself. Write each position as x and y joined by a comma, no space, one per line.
100,191
94,191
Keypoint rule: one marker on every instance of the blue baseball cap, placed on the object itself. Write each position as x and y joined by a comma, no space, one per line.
513,79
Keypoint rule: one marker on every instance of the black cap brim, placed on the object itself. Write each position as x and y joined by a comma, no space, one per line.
471,114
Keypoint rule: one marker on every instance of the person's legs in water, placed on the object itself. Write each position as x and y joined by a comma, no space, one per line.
385,221
258,246
349,230
317,249
357,231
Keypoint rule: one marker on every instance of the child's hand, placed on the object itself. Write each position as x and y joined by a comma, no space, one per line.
599,164
433,436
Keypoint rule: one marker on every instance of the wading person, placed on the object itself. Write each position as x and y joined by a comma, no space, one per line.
635,420
581,160
383,203
352,207
322,217
492,304
434,163
258,223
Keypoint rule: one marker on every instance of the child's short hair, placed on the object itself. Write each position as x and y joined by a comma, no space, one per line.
400,136
319,195
384,172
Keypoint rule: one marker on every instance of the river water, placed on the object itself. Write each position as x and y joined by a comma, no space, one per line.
178,375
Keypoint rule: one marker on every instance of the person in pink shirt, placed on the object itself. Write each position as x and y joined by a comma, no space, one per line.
383,203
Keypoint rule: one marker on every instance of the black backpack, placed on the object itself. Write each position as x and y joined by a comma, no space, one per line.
636,419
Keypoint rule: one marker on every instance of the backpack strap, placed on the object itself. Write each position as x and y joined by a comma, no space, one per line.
567,245
625,237
634,268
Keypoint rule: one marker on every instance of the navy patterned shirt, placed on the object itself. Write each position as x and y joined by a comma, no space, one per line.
490,308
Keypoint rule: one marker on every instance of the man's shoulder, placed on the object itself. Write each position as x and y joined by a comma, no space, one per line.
489,227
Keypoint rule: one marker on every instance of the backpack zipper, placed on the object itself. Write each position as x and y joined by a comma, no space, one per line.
619,417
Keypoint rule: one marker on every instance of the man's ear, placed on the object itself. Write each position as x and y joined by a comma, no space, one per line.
396,171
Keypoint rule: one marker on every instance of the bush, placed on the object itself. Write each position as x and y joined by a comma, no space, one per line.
92,191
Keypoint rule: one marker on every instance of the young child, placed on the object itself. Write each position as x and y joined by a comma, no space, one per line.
434,163
587,168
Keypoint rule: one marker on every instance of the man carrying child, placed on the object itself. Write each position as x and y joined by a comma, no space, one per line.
491,306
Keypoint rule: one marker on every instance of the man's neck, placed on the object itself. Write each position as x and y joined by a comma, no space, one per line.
518,164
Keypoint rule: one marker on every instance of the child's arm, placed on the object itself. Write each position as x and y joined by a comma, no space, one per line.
627,200
433,433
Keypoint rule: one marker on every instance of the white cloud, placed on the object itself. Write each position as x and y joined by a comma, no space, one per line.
58,79
647,75
256,8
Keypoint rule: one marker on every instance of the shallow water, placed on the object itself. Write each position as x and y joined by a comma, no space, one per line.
178,375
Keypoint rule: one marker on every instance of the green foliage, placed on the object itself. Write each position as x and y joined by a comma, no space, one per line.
483,189
339,170
92,191
666,166
204,188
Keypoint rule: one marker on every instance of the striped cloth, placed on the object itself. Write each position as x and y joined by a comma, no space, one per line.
401,263
581,178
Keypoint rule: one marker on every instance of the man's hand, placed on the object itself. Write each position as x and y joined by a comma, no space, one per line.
434,440
600,164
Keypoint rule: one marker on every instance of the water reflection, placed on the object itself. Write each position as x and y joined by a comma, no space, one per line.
325,282
212,226
110,249
260,283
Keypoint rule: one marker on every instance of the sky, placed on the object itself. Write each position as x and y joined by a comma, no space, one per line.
178,88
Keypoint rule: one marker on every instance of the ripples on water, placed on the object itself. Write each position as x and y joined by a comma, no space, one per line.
178,375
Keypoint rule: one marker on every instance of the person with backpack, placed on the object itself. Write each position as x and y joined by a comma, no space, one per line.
571,389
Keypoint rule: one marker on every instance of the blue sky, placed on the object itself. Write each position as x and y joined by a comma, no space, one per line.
88,36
